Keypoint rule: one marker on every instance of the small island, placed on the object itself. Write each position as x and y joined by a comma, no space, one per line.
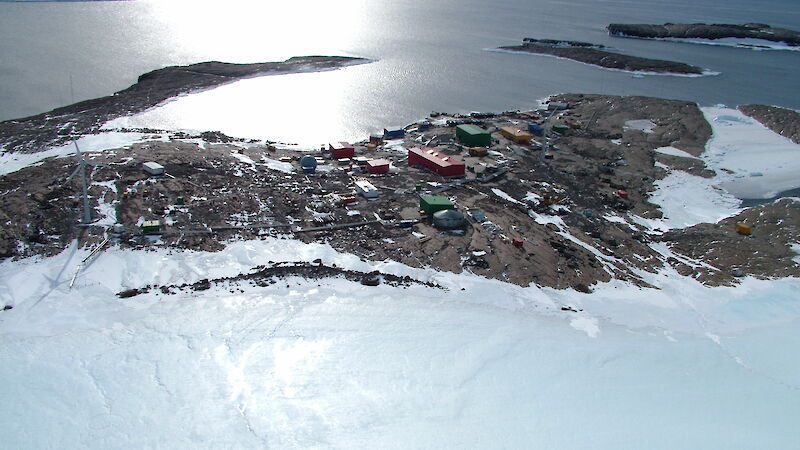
682,31
59,126
598,55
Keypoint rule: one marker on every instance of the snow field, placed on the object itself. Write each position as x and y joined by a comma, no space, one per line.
331,363
763,164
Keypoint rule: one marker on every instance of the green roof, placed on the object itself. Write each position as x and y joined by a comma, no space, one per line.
432,203
435,200
471,129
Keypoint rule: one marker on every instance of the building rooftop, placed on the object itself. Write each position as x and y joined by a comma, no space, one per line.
437,158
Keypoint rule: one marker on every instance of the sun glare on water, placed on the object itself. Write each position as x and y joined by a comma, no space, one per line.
271,30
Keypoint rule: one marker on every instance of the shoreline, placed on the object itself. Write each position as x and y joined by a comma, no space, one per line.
711,32
705,72
59,126
599,56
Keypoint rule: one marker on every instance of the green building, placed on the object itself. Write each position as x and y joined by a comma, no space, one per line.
432,203
560,128
151,226
473,135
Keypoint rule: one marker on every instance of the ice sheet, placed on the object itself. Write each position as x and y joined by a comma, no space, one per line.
331,363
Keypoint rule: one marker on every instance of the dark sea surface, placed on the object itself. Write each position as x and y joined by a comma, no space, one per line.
429,56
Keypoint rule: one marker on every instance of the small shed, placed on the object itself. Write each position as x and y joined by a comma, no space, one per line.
308,163
516,135
432,203
535,129
448,219
378,166
153,168
473,135
151,226
341,150
375,139
478,151
393,133
366,189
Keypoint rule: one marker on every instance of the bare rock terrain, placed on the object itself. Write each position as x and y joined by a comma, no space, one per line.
598,55
574,213
706,31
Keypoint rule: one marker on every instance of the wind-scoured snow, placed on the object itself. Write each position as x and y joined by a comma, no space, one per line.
750,161
763,162
643,125
687,200
675,152
332,363
502,194
12,161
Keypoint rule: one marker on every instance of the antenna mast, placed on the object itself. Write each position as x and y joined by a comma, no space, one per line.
86,216
545,138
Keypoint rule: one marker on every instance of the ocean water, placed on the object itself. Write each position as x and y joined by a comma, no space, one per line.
428,56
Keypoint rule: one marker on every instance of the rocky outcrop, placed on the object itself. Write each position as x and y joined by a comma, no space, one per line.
785,122
705,31
61,125
596,55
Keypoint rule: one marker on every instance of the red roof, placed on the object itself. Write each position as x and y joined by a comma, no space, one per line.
340,145
444,165
435,157
378,162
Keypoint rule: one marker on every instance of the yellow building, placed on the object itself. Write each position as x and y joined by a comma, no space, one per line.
516,135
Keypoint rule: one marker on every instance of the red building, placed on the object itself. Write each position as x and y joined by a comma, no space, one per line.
378,166
341,150
444,165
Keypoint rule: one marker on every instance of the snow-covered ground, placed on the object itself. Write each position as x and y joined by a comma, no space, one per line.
763,162
750,161
12,162
332,363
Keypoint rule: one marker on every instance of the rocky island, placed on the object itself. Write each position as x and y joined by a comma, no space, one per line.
31,134
599,55
707,31
565,211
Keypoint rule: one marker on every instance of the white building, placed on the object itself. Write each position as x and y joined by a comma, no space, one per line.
153,168
366,189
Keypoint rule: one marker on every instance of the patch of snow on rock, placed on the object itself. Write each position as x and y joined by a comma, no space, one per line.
675,152
643,125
